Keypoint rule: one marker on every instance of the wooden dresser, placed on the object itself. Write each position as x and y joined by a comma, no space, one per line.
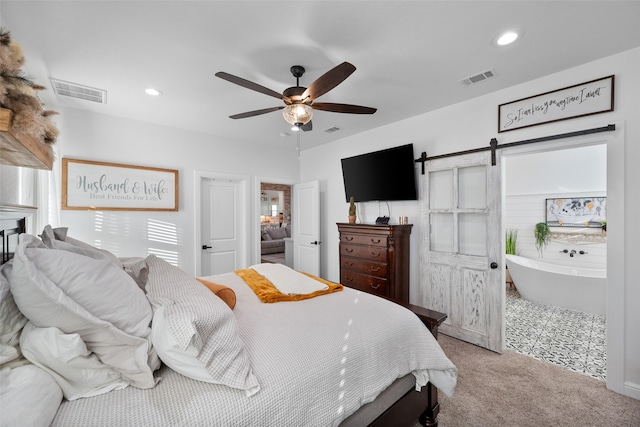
375,259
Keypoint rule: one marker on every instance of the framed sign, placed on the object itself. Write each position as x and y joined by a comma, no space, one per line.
584,99
589,212
88,185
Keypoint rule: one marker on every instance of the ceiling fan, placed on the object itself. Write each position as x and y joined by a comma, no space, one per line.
300,101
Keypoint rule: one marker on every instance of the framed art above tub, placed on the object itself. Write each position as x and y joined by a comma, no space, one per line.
585,212
89,185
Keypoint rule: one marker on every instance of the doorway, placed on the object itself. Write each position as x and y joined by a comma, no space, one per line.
615,325
275,223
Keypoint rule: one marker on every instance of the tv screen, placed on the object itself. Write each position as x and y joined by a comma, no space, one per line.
381,175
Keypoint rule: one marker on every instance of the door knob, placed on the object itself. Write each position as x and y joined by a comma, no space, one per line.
494,265
315,242
205,247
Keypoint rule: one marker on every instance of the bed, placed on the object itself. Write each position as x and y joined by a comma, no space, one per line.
136,341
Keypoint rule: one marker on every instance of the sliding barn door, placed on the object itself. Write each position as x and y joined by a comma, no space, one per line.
462,250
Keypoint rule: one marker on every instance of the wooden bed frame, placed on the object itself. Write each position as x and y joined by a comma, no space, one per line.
422,406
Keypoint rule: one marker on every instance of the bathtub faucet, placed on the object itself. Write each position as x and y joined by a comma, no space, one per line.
572,253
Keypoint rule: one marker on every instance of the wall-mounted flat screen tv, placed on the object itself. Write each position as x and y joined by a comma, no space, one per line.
384,175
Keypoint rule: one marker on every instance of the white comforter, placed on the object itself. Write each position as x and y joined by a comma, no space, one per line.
317,361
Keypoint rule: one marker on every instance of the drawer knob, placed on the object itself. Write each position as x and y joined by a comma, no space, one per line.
348,250
375,240
375,268
348,279
375,253
348,238
374,286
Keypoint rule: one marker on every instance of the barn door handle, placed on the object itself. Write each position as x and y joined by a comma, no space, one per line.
494,265
205,247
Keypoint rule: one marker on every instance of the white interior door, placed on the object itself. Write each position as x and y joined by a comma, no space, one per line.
223,237
306,227
461,271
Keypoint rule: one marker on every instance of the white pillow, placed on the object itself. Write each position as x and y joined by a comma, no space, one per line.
78,372
196,324
93,298
28,396
184,362
51,239
11,321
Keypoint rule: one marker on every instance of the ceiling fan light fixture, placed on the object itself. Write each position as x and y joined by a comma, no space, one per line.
297,114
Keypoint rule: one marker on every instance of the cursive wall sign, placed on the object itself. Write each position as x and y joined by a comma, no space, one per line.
583,99
88,185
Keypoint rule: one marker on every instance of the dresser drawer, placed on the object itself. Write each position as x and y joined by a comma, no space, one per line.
364,283
363,239
372,253
364,266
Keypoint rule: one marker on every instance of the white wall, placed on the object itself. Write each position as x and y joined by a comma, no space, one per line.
103,138
472,124
532,178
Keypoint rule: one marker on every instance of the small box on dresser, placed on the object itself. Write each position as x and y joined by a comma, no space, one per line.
375,259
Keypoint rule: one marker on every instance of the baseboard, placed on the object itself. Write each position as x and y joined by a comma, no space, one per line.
632,390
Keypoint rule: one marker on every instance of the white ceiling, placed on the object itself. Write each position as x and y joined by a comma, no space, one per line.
410,55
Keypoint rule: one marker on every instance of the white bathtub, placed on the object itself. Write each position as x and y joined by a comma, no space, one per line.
582,289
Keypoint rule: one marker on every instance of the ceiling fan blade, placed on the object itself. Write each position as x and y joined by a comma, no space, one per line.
328,81
249,85
307,126
343,108
255,113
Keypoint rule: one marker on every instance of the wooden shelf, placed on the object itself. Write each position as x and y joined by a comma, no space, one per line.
18,149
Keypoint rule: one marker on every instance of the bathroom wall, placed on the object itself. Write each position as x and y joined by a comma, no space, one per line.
532,178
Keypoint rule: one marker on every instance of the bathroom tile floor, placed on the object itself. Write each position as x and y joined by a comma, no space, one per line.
567,338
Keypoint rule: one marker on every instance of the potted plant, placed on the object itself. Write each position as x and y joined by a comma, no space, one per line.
510,249
352,210
604,226
542,235
510,246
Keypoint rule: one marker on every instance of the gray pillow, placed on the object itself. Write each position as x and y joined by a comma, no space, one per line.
69,244
90,297
277,233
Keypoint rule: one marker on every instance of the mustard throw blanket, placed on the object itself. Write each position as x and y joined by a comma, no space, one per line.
267,292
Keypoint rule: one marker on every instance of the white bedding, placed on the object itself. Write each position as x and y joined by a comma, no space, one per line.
317,361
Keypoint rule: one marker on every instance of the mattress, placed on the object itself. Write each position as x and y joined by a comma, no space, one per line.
317,361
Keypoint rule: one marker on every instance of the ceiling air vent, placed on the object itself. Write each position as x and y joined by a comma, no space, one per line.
477,78
332,129
74,90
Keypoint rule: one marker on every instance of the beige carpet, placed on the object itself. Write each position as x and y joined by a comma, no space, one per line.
513,390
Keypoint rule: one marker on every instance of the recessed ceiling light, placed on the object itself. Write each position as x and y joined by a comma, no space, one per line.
507,38
153,92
